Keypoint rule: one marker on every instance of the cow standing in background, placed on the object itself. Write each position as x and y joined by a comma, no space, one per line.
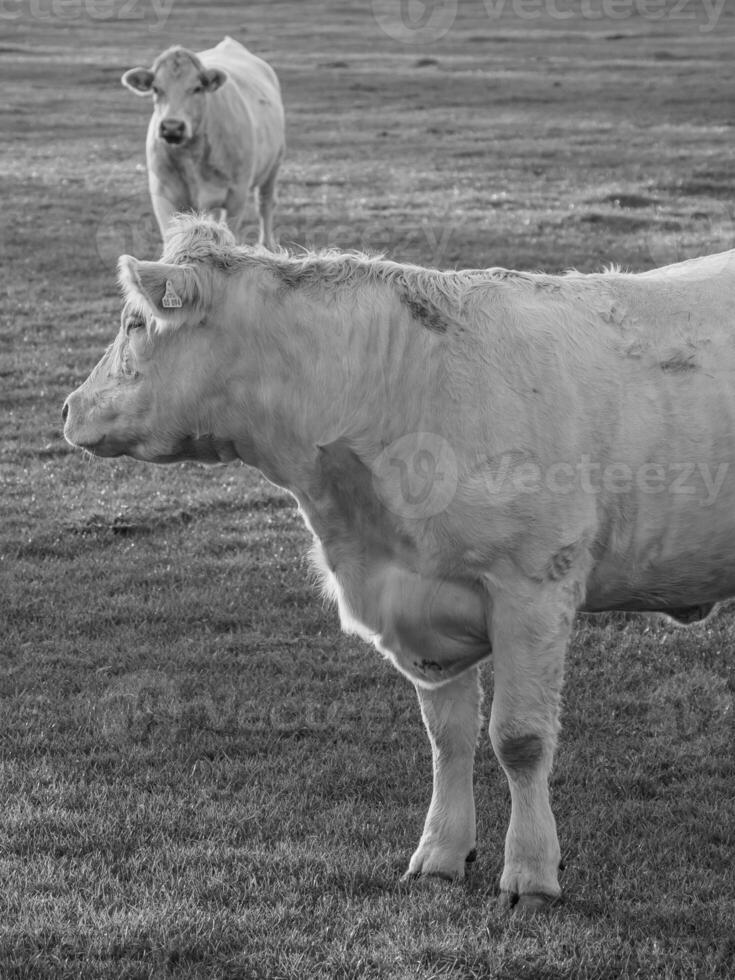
216,135
479,454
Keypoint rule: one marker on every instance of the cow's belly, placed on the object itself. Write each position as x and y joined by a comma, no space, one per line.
659,588
687,561
666,535
431,629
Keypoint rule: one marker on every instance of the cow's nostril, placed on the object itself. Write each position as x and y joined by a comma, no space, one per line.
64,411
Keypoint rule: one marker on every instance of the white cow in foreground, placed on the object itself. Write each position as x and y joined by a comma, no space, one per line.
479,455
216,134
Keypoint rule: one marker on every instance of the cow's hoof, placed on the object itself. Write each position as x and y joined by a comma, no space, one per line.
433,861
423,873
427,875
527,904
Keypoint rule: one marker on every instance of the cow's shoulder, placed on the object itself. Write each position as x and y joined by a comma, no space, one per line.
246,70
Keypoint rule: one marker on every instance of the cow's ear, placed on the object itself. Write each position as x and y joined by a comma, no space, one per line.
138,80
170,292
213,78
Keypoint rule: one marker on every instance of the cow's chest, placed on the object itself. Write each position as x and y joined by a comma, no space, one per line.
388,584
431,628
207,196
206,186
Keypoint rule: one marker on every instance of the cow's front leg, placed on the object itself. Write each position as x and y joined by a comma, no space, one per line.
451,714
530,631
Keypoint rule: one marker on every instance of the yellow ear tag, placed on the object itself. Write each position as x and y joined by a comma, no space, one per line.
170,300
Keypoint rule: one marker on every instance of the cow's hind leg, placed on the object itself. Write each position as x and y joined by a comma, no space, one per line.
451,714
163,209
266,199
531,625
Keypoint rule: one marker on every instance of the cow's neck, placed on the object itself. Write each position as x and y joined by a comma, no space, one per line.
334,382
353,368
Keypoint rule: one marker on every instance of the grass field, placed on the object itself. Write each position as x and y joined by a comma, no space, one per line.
200,776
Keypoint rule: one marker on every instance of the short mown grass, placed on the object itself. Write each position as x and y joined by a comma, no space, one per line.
199,775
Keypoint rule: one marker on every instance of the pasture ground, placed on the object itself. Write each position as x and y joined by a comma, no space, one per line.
200,777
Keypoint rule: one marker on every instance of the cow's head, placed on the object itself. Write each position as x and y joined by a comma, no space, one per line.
151,395
180,85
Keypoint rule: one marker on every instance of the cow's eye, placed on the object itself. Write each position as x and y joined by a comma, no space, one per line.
197,89
134,323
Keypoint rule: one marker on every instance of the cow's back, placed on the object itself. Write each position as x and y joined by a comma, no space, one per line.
252,97
250,72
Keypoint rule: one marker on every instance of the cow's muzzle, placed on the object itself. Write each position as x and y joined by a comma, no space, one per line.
80,433
172,131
